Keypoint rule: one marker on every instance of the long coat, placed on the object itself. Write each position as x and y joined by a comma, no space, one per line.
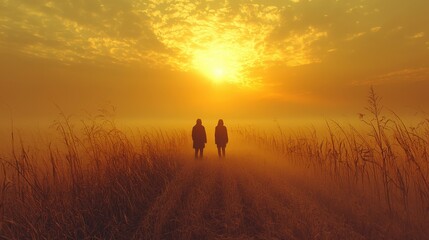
221,136
199,136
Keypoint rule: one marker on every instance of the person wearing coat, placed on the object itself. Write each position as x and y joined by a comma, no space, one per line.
221,138
199,138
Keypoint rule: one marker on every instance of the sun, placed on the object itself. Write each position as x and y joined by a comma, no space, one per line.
218,73
218,62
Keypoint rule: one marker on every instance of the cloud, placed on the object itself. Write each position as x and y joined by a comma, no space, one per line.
155,31
192,35
76,31
375,29
418,35
355,35
240,32
404,75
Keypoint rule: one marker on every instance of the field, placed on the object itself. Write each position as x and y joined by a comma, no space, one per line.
96,181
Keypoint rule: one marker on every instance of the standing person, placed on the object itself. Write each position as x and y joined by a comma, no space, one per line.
221,138
199,138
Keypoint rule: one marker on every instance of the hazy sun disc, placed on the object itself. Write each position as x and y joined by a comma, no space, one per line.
218,73
218,63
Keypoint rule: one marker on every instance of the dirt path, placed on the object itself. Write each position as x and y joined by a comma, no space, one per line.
250,197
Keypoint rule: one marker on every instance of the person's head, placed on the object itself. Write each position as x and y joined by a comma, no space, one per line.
220,122
199,122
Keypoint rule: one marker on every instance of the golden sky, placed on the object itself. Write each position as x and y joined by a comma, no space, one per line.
174,59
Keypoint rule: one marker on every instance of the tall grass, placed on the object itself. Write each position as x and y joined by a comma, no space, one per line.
94,182
99,182
384,159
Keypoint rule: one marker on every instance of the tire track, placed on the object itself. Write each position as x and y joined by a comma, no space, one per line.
193,220
264,216
232,203
329,213
246,197
275,210
159,215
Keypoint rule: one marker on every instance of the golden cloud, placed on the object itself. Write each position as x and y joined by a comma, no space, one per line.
223,38
234,39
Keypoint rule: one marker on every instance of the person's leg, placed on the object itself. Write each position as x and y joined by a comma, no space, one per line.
218,151
201,152
223,151
196,153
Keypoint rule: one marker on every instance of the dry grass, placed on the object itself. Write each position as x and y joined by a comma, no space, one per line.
98,182
385,160
89,186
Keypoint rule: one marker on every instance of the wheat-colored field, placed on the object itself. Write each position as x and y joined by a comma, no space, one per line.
95,181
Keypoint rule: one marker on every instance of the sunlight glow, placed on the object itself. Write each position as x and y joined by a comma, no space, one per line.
218,73
219,63
225,41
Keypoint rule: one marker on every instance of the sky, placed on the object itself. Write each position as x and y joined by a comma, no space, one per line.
162,59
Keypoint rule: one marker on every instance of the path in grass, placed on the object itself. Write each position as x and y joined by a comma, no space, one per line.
246,196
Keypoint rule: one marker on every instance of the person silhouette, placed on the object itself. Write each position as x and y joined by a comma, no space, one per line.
221,138
199,138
